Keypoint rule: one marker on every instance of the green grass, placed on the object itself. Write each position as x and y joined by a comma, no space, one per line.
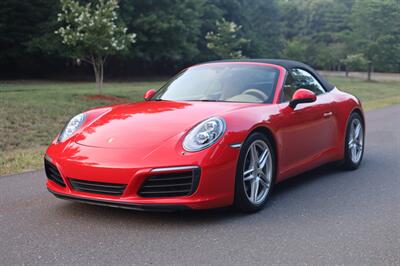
32,113
372,94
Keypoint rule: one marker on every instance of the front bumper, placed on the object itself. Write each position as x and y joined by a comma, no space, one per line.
215,186
121,204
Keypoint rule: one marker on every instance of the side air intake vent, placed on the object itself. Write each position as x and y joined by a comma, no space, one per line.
52,173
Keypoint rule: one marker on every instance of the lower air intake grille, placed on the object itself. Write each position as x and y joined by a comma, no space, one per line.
97,188
181,183
52,173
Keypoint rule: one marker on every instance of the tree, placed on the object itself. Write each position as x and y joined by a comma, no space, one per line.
93,32
169,32
260,21
329,56
298,49
355,62
22,23
320,28
225,41
376,25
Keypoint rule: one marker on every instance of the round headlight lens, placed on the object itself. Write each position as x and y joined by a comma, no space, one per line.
73,125
204,134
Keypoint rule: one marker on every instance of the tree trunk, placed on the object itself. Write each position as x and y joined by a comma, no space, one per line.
98,68
370,69
101,75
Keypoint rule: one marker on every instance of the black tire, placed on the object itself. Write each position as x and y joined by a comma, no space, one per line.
241,201
348,163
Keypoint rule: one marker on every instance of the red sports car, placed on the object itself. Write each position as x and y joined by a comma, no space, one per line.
218,134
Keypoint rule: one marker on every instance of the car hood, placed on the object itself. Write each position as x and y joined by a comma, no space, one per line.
147,125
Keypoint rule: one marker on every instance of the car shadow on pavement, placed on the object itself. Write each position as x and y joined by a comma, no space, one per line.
285,193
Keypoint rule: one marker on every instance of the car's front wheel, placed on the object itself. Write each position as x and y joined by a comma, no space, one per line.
255,173
354,145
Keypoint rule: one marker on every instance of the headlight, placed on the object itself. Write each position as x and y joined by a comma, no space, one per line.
204,134
73,125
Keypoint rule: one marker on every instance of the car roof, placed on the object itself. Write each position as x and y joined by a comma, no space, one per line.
287,64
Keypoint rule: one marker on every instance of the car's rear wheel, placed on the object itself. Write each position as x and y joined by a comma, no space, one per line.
255,173
354,145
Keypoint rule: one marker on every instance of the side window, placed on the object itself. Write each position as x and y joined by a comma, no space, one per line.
300,79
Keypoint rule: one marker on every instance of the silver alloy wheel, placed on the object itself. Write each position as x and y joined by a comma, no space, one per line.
257,173
356,140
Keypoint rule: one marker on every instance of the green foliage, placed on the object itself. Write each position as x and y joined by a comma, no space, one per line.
326,25
93,29
376,25
225,41
328,56
168,31
171,34
297,49
355,62
261,25
27,41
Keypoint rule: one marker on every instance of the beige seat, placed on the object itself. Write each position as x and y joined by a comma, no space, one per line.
246,98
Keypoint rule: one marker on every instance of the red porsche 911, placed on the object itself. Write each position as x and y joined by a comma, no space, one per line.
218,134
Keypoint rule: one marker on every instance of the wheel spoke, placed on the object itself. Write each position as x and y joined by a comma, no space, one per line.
264,177
254,156
248,178
354,152
263,159
254,189
357,131
251,170
263,183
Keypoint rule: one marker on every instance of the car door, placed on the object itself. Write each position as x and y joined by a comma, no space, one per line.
308,132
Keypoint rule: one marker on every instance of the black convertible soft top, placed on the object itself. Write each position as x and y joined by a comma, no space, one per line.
287,64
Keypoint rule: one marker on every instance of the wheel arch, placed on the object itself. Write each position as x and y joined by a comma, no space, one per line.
268,133
359,112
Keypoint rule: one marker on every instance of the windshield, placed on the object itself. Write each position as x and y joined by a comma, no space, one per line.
223,83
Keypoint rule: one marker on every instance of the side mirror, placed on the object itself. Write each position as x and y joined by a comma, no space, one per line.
149,94
302,96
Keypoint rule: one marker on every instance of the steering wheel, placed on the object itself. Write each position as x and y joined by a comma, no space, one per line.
257,93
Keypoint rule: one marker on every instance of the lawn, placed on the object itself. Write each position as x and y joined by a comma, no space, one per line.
32,113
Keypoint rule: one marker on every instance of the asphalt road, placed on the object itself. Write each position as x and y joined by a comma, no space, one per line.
326,216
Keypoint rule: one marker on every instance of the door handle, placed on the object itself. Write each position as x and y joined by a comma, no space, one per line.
328,114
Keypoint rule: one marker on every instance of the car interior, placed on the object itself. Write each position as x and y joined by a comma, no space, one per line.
247,87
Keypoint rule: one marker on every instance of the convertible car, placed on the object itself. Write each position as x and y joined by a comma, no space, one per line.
218,134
